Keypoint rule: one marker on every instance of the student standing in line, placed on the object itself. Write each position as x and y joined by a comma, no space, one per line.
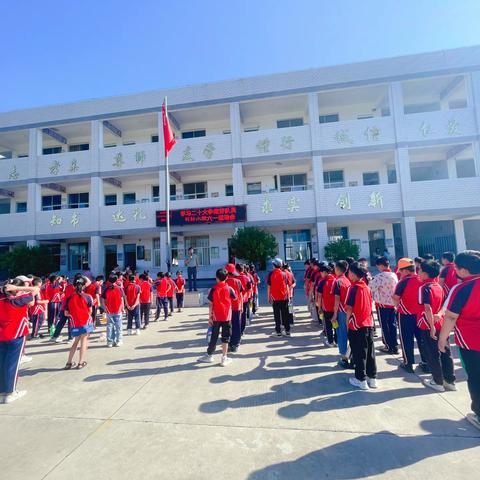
54,297
256,282
237,305
246,286
145,300
112,298
79,308
431,296
360,328
180,290
326,302
277,293
448,276
463,316
132,302
37,311
162,287
171,292
291,290
94,289
220,309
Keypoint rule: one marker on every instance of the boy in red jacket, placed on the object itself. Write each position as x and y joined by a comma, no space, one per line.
132,300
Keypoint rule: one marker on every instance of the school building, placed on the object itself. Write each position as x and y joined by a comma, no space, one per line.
384,153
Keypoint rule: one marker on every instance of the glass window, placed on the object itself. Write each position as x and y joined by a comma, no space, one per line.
155,193
254,188
157,259
290,122
392,175
173,192
111,199
292,183
201,247
77,256
78,148
6,155
129,198
51,202
423,171
195,190
333,179
78,200
298,245
371,178
329,118
422,107
337,233
174,249
229,190
465,168
51,150
194,133
21,207
154,138
4,206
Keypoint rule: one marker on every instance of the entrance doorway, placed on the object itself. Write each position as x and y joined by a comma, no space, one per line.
376,243
130,255
110,258
436,237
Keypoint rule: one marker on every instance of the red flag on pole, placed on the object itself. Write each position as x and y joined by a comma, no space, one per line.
168,137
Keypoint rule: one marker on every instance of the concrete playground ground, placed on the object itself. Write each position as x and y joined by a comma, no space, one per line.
281,410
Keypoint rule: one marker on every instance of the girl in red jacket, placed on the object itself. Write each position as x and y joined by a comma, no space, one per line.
79,309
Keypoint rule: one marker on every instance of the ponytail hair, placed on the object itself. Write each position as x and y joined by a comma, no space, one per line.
79,286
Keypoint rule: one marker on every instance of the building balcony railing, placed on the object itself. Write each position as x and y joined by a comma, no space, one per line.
201,149
16,225
356,133
437,125
276,141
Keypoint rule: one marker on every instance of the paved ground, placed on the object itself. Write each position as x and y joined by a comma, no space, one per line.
282,410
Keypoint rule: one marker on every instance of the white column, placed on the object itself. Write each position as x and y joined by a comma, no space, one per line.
318,186
34,197
402,167
35,140
238,185
460,235
396,107
322,238
409,237
473,95
96,201
96,142
163,250
451,167
313,118
236,130
476,157
161,188
97,255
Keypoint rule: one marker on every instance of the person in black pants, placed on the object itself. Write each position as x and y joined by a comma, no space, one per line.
277,293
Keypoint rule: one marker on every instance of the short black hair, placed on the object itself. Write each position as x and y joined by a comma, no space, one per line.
363,259
382,261
342,265
238,267
431,268
469,260
358,270
349,260
418,259
449,256
429,256
325,267
99,277
160,275
131,278
112,278
221,274
36,281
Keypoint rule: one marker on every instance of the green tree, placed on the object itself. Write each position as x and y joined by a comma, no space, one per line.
24,260
254,245
341,249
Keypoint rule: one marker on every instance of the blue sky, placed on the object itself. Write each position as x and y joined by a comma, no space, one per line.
56,51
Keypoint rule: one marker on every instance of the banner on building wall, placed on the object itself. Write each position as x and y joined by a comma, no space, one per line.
202,216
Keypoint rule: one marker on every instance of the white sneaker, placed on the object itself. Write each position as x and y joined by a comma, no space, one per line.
275,334
206,358
137,331
225,361
58,340
109,345
119,343
11,397
130,332
430,383
449,387
372,382
25,359
358,384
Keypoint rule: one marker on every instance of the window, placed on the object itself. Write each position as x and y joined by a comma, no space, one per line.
5,155
423,171
385,111
174,249
229,190
371,178
328,118
364,116
154,138
465,168
333,179
111,199
173,192
201,248
157,259
290,122
459,103
128,143
51,202
77,256
129,198
155,193
293,183
78,148
337,233
392,175
4,206
298,245
51,150
194,133
78,200
421,107
21,207
254,188
195,190
251,129
110,145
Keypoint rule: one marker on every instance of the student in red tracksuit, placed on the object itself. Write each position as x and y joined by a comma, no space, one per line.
145,300
220,297
360,328
326,301
179,290
113,304
37,311
15,299
54,297
431,296
247,287
171,292
405,299
79,308
340,290
256,282
277,293
448,275
95,290
234,282
132,302
162,287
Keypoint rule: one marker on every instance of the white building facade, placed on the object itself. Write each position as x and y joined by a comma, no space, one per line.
384,153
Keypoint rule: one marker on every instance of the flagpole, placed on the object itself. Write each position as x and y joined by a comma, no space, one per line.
167,195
